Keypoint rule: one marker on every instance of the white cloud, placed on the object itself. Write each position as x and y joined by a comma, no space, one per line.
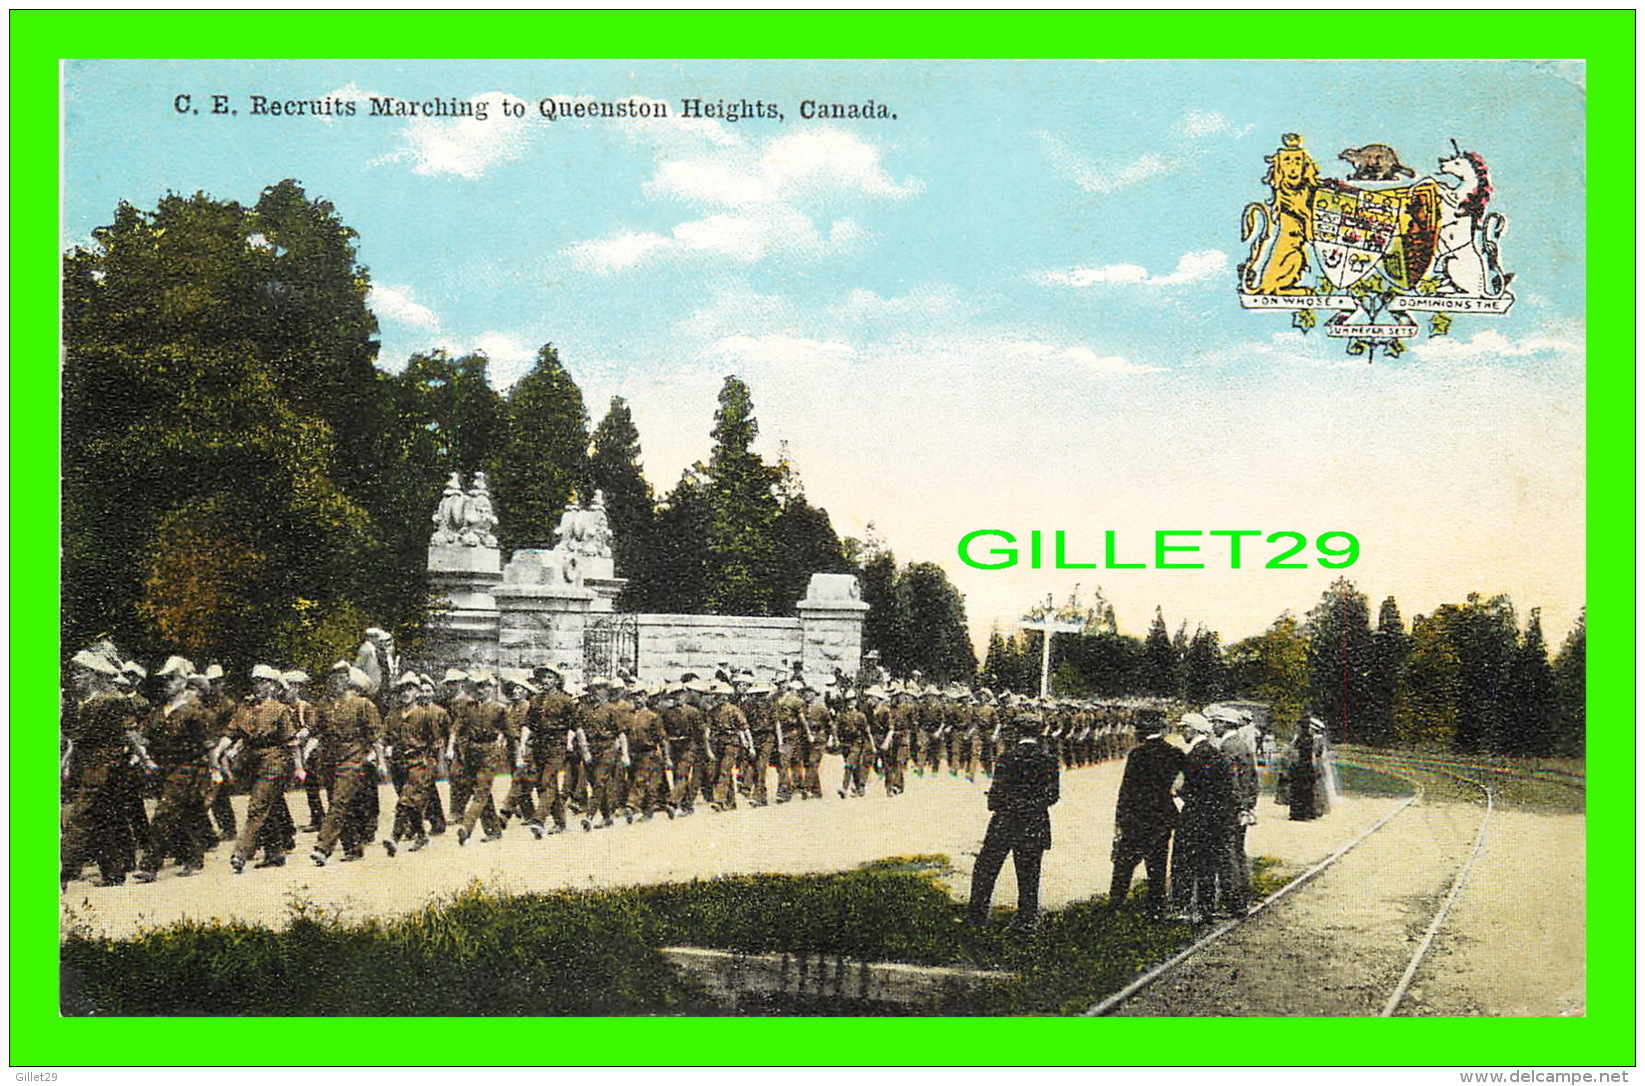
1191,268
1490,343
763,200
1104,178
779,350
465,146
397,304
510,356
614,254
1197,124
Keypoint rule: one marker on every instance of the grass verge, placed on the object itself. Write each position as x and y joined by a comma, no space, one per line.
482,952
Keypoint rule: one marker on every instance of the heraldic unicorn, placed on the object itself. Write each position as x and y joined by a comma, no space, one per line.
1385,244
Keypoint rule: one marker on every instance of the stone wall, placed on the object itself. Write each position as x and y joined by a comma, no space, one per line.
671,644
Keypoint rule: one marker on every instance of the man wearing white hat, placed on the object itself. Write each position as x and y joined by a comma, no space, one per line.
179,735
356,732
267,727
98,724
480,726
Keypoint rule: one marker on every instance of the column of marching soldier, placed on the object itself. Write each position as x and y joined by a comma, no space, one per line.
615,748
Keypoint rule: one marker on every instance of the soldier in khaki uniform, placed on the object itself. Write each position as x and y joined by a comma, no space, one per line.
99,725
905,722
816,726
517,695
357,734
318,763
857,743
217,792
788,711
685,728
178,737
648,790
605,732
267,728
727,741
413,735
761,713
479,736
546,748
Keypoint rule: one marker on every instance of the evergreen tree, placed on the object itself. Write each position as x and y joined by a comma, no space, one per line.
885,626
1571,682
803,538
677,559
935,608
1425,708
1339,661
1161,675
1203,675
741,546
544,457
615,468
1531,717
1390,645
1485,636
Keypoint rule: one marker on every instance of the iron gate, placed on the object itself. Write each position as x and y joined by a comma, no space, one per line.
611,642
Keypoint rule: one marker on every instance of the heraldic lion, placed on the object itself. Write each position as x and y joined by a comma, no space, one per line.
1286,223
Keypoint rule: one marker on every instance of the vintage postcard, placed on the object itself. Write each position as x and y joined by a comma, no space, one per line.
819,538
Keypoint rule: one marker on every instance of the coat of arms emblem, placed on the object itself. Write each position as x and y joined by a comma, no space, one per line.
1376,247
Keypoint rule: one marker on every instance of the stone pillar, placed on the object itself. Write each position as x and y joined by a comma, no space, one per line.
831,618
542,617
465,632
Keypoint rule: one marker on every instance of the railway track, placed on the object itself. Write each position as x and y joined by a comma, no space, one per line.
1264,912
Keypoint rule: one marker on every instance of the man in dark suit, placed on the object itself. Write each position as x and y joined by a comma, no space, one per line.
1199,882
1146,814
1026,784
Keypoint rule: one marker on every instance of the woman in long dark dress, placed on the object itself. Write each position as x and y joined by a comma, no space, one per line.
1304,775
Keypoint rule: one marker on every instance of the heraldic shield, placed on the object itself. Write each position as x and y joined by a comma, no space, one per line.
1356,229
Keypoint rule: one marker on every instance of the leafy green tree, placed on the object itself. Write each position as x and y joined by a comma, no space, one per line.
1161,673
615,467
217,361
1273,667
1339,660
543,459
1571,681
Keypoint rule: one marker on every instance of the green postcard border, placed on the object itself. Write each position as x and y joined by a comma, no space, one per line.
1606,1036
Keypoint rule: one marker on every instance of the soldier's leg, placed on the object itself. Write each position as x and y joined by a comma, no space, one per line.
350,785
681,795
264,789
481,807
82,822
1126,857
316,806
522,784
813,768
990,858
552,776
1027,860
763,747
725,779
409,807
1154,860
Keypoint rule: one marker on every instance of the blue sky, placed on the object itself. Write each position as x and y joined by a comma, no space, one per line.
1012,306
